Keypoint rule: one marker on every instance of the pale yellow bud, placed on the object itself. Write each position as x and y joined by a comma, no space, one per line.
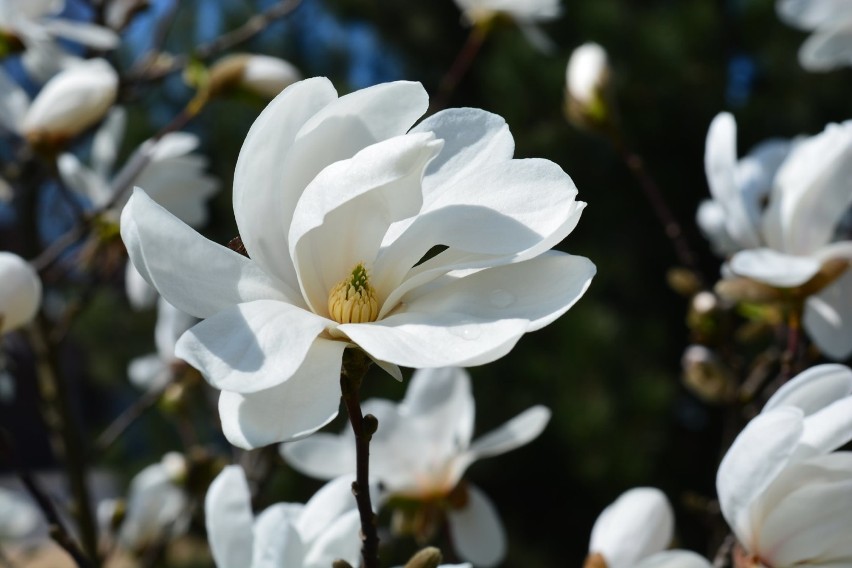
263,75
20,292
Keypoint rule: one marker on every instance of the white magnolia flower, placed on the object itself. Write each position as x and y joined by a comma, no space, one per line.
73,100
173,176
587,73
33,23
153,371
19,517
525,13
157,504
312,535
785,495
634,531
263,75
830,45
421,451
20,292
786,243
337,201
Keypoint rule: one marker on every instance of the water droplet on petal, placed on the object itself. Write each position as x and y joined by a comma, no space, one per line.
469,332
502,298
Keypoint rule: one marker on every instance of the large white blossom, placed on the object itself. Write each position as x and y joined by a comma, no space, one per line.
312,535
34,23
783,491
806,186
830,45
20,292
634,531
338,201
173,175
421,451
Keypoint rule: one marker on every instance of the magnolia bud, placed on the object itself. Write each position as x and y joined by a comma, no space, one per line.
260,74
70,102
587,81
20,292
429,557
706,376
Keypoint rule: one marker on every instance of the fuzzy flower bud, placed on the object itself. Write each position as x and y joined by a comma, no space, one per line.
20,292
587,82
70,102
262,75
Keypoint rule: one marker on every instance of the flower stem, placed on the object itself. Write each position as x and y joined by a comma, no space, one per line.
355,365
460,66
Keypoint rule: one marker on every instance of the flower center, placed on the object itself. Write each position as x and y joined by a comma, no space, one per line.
353,300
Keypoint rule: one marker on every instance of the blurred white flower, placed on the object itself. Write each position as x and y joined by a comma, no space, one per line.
525,13
152,371
173,176
786,242
312,535
141,295
33,23
785,495
830,46
20,292
157,506
421,451
634,531
19,517
337,217
73,100
263,75
587,82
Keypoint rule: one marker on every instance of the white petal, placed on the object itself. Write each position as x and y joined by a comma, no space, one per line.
830,428
91,35
194,274
346,210
711,218
13,103
808,14
827,49
813,389
171,324
262,208
276,541
250,347
774,268
299,406
20,295
330,502
674,559
140,294
83,180
107,141
148,372
756,457
517,432
477,532
229,520
828,318
339,539
323,456
637,524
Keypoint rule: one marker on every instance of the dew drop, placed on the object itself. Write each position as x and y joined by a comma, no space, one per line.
469,332
502,298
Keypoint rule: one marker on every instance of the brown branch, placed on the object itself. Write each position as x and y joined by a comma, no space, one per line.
126,419
460,67
355,365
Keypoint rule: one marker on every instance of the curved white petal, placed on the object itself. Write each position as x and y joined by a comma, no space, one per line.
711,218
147,372
276,541
210,277
637,524
476,529
828,48
323,456
262,209
13,104
252,346
813,389
82,180
828,318
830,428
345,211
329,503
91,35
674,559
140,294
517,432
107,141
761,451
774,268
299,406
229,519
809,14
339,540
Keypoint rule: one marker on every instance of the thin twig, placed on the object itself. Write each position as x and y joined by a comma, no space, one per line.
245,32
460,67
56,396
126,419
355,365
58,531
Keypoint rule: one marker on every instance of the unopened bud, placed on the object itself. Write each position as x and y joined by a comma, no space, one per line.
746,290
20,292
588,97
683,281
72,101
429,557
706,376
595,560
340,563
262,75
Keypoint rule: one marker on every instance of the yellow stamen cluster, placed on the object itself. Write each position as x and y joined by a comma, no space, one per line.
353,300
